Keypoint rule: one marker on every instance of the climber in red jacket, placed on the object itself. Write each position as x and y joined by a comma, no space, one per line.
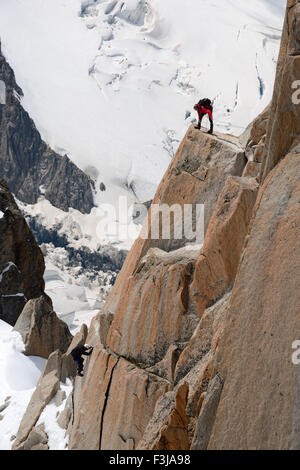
204,107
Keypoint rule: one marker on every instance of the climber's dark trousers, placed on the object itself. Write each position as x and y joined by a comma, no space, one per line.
210,120
79,363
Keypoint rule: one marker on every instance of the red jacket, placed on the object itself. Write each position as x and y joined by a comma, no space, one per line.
201,110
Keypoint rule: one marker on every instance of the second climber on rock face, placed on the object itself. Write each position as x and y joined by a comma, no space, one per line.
204,107
77,354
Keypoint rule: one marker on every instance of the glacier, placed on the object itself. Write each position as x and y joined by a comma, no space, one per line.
113,83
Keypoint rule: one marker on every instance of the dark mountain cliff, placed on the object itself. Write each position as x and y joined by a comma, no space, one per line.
27,163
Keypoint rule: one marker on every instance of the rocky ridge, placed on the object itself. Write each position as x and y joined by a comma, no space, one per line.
29,166
160,324
199,340
209,328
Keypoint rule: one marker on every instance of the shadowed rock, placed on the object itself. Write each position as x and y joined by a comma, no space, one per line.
207,414
68,367
254,357
29,166
218,260
283,130
253,139
64,417
41,330
100,404
168,431
37,439
21,261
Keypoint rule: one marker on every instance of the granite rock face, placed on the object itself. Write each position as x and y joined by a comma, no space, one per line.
100,403
154,309
193,348
28,165
258,409
259,403
168,429
179,285
283,131
21,261
207,414
37,439
254,136
41,330
218,260
196,175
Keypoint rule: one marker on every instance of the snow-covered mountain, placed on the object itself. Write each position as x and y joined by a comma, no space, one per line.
112,83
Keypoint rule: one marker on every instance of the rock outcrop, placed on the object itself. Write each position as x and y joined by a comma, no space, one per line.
41,330
207,414
194,344
182,283
146,326
257,408
29,166
283,129
253,139
21,261
259,403
96,408
37,439
218,260
168,429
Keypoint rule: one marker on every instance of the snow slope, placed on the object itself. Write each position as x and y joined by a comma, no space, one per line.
19,375
113,83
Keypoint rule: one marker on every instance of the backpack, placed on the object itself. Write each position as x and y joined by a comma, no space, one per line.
206,102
